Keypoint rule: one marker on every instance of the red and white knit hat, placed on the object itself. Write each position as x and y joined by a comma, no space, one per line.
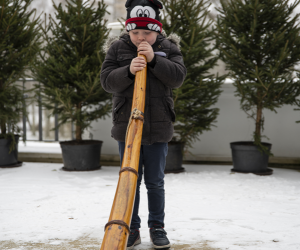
143,14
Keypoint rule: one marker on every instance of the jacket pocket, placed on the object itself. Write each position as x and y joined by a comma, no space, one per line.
121,109
170,105
162,109
124,59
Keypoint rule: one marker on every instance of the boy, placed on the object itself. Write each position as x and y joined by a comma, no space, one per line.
165,71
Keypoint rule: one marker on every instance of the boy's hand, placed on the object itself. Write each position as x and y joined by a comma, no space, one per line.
146,49
137,64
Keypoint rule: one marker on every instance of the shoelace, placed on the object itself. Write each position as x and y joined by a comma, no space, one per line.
159,232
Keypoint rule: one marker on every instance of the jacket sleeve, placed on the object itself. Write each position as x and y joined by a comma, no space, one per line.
170,71
113,77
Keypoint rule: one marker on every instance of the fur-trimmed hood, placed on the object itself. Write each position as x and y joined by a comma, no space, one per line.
174,38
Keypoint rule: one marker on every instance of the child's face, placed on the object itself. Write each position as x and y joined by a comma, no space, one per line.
138,36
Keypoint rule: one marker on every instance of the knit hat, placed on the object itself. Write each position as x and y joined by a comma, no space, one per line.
143,14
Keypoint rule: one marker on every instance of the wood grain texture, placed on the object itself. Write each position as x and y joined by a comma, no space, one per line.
116,236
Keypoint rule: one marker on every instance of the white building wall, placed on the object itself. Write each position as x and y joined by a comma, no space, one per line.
232,125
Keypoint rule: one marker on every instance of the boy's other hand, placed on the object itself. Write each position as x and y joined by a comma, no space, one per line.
137,64
146,49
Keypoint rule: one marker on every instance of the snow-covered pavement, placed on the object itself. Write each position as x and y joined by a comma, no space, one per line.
205,206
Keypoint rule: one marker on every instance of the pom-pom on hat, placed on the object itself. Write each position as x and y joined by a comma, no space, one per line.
143,14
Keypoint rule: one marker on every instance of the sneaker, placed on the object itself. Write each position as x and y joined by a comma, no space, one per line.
133,239
159,238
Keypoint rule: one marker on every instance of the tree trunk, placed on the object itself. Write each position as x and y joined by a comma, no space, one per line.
258,123
78,127
47,123
2,122
33,119
3,126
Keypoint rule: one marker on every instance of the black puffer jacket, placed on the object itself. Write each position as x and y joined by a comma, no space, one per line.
168,73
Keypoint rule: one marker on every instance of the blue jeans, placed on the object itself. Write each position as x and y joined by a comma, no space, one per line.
153,158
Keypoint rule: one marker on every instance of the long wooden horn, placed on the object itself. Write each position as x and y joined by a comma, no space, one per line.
117,229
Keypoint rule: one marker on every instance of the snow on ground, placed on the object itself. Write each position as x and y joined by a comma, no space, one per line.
41,203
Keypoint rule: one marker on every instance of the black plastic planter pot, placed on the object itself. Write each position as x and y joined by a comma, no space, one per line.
174,158
248,159
9,159
81,156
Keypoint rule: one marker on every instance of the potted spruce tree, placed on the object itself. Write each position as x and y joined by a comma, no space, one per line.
194,100
68,69
260,43
19,44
